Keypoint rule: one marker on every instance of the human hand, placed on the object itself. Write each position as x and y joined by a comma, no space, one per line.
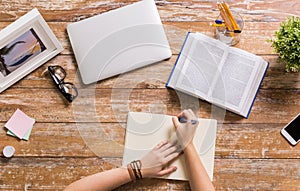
155,163
185,131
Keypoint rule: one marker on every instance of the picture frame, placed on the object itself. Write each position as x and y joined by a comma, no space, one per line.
25,45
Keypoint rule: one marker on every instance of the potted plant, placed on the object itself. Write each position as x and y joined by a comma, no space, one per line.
287,44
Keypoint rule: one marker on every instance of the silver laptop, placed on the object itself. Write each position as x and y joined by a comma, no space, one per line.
118,41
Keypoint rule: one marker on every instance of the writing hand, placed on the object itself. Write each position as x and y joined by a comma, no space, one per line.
185,131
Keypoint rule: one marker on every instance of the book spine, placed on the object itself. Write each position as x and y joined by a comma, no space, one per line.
167,84
257,91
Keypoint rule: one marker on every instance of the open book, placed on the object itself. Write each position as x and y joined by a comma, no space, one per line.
211,70
145,130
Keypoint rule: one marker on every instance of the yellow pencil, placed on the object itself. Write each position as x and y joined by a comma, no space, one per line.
235,26
225,18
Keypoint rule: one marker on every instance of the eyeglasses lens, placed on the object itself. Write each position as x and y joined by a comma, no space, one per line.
59,73
69,88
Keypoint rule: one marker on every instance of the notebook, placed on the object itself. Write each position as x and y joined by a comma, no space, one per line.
146,130
118,41
211,70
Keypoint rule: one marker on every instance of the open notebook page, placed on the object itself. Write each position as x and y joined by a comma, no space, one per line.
145,130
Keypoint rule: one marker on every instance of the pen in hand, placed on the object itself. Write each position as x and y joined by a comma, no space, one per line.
182,119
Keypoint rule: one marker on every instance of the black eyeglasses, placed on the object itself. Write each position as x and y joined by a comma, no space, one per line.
68,89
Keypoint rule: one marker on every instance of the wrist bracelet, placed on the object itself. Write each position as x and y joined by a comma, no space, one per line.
131,173
136,167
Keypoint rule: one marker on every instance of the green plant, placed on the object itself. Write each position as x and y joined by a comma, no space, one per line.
287,44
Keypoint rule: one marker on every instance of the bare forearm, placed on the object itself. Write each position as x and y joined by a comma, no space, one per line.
153,164
198,177
107,180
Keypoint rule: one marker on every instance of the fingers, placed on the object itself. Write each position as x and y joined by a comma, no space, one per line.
172,156
166,150
176,122
188,114
165,146
169,151
191,112
159,145
167,170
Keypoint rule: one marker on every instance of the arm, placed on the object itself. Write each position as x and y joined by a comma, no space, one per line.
107,180
198,177
154,164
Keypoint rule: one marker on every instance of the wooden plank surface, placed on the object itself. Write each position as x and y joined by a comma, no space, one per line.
174,10
107,139
69,142
229,174
254,36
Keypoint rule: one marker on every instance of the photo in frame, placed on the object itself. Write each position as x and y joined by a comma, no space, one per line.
25,45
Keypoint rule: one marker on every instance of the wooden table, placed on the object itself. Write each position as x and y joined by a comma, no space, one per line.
250,153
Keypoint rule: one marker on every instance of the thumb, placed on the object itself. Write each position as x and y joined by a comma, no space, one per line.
176,122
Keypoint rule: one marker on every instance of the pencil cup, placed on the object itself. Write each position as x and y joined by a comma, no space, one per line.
229,37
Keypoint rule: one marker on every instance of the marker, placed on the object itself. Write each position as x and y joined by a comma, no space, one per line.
184,120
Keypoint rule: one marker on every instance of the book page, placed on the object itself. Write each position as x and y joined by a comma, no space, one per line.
263,65
233,85
145,130
217,73
201,66
181,60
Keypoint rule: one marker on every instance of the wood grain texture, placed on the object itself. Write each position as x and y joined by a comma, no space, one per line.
146,80
107,139
104,105
186,11
254,36
229,174
69,142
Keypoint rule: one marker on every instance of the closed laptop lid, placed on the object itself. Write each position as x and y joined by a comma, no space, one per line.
118,41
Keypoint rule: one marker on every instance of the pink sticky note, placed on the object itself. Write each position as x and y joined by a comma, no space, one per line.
19,123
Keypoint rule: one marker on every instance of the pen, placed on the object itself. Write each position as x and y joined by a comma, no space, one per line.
218,22
185,120
218,25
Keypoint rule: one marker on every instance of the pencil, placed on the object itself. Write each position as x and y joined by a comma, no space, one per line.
235,26
225,18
